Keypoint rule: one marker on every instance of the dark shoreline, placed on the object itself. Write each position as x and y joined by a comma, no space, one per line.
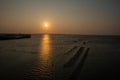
14,36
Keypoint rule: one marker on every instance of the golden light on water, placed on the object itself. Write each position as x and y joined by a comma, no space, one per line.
45,59
45,44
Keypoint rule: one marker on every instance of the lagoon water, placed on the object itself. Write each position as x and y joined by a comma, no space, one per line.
60,57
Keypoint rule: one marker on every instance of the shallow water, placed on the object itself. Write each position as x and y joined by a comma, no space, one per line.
44,57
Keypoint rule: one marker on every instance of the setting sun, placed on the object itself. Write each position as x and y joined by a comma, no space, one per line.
46,25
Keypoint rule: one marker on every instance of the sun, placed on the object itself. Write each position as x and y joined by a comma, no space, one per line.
46,25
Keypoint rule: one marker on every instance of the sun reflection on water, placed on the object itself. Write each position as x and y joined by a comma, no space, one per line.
45,65
45,47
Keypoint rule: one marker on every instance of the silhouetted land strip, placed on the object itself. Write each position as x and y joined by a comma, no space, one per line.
74,58
14,36
76,72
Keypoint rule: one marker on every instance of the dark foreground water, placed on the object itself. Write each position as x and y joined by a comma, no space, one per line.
60,57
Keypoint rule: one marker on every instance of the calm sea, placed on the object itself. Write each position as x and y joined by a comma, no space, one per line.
60,57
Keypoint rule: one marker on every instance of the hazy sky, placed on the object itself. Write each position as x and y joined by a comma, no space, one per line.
62,16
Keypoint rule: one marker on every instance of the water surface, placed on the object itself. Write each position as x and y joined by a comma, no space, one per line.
60,57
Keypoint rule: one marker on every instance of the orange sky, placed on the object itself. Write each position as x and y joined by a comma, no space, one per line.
62,16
